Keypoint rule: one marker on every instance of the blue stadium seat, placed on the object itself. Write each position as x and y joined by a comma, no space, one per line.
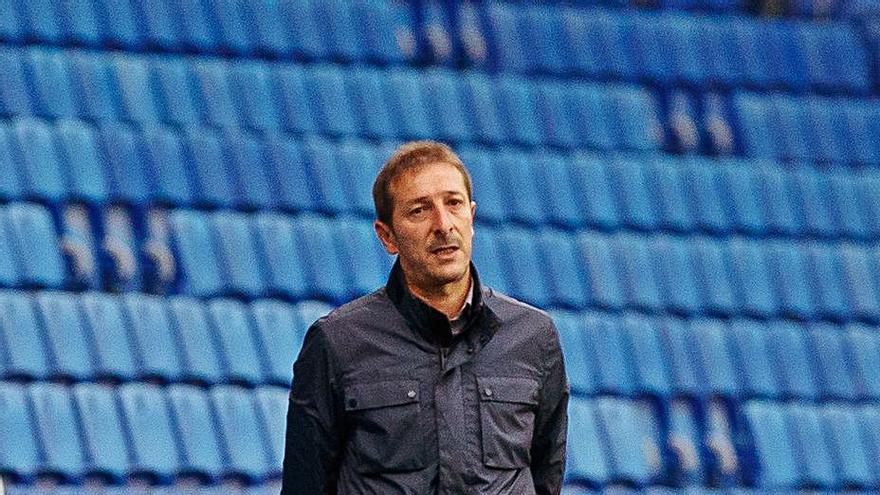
237,254
754,362
583,42
778,198
342,34
718,124
594,183
319,251
650,365
674,274
826,276
9,266
559,257
121,29
251,86
81,158
852,462
35,240
629,185
712,268
159,22
103,437
640,286
41,20
136,98
165,156
363,256
868,418
11,26
386,31
587,460
18,429
204,155
479,98
79,247
605,288
408,104
579,365
508,43
684,442
677,346
120,264
20,330
331,105
359,163
272,405
245,453
14,94
123,149
774,454
325,174
286,274
445,103
309,312
288,169
52,86
526,280
859,281
864,351
712,352
727,462
704,189
239,352
555,115
94,80
492,204
812,452
637,119
835,376
214,94
155,347
515,99
787,344
689,59
56,427
367,102
845,205
194,253
754,281
173,80
756,130
652,43
196,31
200,357
37,155
514,173
12,187
149,432
486,256
292,97
279,338
606,345
69,345
245,154
196,431
788,269
816,209
668,191
633,440
553,177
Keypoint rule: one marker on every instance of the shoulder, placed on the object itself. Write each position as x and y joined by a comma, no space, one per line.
514,311
357,313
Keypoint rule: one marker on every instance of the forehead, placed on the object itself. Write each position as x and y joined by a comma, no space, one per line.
428,180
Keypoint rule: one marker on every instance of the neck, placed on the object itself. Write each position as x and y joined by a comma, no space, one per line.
446,298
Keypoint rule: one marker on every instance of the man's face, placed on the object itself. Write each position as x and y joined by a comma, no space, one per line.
432,225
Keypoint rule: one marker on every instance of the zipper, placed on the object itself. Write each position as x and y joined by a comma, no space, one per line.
443,351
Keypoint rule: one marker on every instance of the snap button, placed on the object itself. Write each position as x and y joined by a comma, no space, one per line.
470,350
411,394
488,392
352,402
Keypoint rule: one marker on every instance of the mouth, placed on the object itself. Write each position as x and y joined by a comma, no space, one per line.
444,250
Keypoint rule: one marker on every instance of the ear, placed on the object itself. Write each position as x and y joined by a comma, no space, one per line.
473,212
386,236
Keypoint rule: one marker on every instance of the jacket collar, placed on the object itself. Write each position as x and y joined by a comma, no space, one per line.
430,323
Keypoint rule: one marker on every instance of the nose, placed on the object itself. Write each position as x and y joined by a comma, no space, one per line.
442,219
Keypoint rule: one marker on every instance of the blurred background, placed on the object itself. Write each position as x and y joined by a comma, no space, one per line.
690,187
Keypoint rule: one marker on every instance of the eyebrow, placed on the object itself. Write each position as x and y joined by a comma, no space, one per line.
424,199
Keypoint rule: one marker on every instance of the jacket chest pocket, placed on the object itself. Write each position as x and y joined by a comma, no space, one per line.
507,417
386,429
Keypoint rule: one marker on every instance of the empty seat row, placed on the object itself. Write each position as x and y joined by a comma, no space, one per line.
807,446
394,103
270,488
74,161
649,356
808,128
364,30
98,336
676,48
141,431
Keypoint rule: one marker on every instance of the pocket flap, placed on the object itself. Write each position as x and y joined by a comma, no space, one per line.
360,396
508,389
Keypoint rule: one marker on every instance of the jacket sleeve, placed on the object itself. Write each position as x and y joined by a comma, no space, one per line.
314,438
551,422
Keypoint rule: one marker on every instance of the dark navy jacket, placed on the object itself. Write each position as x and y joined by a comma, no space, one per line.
386,401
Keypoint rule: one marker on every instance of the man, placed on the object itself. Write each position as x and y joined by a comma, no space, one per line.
433,384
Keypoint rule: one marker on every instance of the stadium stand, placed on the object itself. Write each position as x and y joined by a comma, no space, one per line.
689,187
